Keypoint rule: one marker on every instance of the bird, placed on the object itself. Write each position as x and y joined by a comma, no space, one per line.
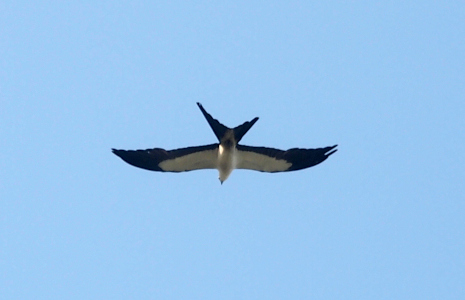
226,155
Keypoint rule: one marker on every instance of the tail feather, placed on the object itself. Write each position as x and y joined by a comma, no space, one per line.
220,130
241,130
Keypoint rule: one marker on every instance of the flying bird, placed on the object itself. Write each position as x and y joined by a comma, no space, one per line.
226,155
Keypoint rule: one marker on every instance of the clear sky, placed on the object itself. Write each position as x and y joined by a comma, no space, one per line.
383,218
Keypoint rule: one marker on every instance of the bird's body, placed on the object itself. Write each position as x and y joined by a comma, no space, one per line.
227,160
225,156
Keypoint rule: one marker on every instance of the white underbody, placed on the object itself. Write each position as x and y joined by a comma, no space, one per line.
227,161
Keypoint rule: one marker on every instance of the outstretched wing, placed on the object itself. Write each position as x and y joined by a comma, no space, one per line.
274,160
178,160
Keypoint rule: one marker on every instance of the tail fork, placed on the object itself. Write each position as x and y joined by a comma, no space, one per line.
220,130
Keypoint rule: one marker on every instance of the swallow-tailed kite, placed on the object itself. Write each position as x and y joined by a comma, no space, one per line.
226,155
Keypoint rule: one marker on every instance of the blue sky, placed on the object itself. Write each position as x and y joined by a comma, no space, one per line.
383,218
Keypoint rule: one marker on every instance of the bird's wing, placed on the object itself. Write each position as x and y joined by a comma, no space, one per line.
178,160
274,160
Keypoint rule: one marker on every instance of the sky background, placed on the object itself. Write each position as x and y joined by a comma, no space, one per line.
383,218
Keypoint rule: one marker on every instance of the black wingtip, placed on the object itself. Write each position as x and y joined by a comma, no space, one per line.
119,153
145,159
332,152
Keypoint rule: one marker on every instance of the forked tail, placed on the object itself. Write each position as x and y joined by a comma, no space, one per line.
220,130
